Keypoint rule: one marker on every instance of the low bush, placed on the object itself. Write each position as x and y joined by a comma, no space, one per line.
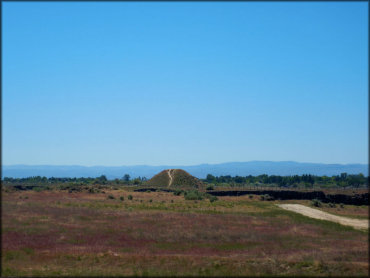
130,197
110,196
121,198
210,187
250,196
93,190
178,192
267,197
316,203
213,199
193,195
332,205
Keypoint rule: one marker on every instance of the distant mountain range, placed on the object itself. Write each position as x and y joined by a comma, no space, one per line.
283,168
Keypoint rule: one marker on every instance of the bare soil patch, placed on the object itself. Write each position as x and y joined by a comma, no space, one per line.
318,214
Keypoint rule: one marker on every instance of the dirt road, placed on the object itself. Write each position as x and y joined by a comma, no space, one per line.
318,214
169,172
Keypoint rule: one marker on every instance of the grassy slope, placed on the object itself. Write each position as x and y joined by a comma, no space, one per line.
56,233
181,179
160,179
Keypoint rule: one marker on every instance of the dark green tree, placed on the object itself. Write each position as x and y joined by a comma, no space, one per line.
126,177
210,178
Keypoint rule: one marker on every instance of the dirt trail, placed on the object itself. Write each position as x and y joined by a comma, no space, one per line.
169,172
318,214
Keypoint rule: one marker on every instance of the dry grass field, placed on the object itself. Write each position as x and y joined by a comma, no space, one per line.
54,233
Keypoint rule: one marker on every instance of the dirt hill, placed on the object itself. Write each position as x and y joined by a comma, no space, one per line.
175,178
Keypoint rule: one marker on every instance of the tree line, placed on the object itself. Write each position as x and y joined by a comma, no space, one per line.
342,180
125,180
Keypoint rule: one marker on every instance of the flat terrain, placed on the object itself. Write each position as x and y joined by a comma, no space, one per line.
318,214
59,233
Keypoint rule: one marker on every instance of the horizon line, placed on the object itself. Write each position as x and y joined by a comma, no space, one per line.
147,165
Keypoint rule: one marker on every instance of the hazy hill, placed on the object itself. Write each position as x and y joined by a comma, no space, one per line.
199,171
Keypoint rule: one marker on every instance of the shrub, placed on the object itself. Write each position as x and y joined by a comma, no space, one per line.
332,205
150,200
267,197
28,251
316,203
93,190
171,201
250,196
130,197
110,196
178,192
341,205
193,195
211,187
121,198
213,199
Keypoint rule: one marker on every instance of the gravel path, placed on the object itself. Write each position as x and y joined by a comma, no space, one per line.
318,214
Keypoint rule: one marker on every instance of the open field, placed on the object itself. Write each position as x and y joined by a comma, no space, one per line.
59,233
335,190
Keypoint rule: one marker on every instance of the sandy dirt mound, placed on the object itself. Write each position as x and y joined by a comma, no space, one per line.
318,214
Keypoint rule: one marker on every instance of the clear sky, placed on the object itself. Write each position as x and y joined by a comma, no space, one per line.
183,83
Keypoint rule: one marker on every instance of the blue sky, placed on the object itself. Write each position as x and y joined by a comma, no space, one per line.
183,83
